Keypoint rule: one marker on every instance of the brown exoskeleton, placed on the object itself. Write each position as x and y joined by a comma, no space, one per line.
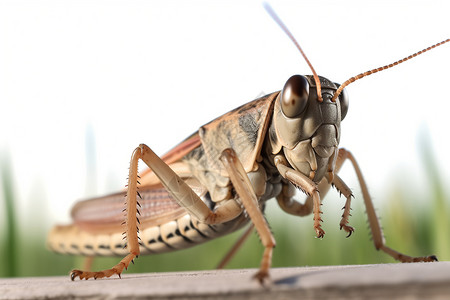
219,178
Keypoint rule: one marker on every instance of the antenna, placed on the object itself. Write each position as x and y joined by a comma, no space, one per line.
353,79
275,17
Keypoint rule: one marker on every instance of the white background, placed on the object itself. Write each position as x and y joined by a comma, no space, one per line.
120,73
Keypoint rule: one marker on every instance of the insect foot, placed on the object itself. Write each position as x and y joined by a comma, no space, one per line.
263,277
117,269
347,228
319,232
86,275
408,259
317,226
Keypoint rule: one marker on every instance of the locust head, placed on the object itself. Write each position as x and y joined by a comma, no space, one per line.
306,127
306,122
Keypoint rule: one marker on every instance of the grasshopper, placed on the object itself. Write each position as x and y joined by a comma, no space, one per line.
217,180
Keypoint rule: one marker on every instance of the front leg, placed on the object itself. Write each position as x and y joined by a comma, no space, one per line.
291,206
246,193
306,185
343,189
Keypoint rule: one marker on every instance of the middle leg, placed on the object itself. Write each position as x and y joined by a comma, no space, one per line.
246,193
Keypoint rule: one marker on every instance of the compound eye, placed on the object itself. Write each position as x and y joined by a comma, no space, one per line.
344,101
294,96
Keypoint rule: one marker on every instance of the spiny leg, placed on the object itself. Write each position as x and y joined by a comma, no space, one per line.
377,233
345,215
244,189
308,186
342,188
288,204
180,191
131,227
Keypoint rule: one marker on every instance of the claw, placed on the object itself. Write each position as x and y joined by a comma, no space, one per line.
75,273
320,233
262,277
348,229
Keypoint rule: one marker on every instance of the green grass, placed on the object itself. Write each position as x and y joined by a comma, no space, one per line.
411,225
9,241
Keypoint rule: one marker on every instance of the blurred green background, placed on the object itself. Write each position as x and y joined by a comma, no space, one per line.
412,225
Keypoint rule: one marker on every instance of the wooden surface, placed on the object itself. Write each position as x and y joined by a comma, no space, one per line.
387,281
